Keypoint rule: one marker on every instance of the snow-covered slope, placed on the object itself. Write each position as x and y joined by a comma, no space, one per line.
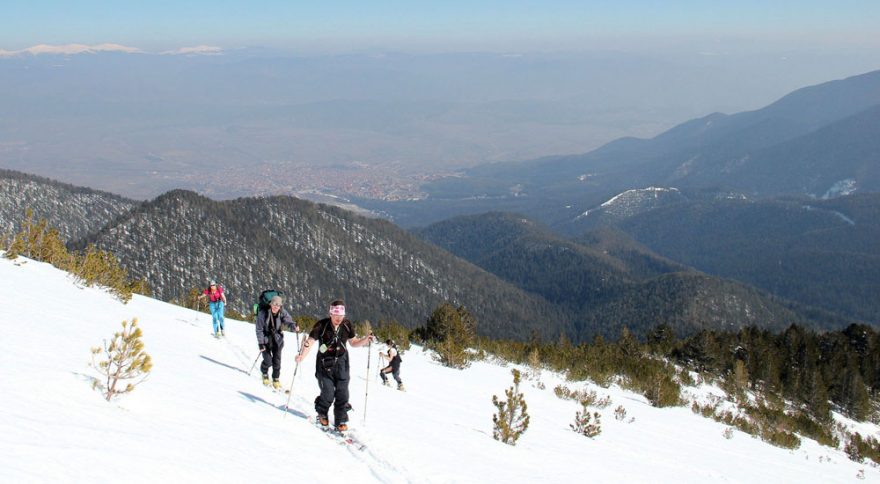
633,202
200,418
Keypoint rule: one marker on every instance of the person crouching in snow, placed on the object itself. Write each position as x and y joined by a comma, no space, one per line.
332,366
270,337
393,358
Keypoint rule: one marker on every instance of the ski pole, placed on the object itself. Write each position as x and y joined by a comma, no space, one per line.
292,380
367,386
255,363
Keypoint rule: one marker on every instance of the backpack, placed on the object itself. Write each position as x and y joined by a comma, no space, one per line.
264,299
396,354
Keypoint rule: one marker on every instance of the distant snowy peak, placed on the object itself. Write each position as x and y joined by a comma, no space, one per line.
197,50
633,202
69,49
76,49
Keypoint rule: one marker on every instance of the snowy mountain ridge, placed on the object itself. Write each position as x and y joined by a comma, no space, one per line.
631,202
200,417
77,49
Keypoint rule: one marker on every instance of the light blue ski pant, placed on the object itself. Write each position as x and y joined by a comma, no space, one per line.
217,314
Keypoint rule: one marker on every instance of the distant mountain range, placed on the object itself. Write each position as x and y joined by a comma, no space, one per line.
79,49
783,198
819,141
537,282
766,217
260,121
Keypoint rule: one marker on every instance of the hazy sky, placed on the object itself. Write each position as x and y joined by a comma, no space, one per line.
437,25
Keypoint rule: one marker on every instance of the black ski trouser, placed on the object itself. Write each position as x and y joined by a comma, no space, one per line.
271,357
333,377
395,372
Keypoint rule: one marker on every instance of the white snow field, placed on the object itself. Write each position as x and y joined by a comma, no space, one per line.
200,418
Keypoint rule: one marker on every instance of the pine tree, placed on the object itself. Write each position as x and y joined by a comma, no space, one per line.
140,286
512,418
853,446
534,361
394,331
738,382
363,328
450,331
857,400
661,339
38,241
586,425
194,300
818,398
125,360
97,266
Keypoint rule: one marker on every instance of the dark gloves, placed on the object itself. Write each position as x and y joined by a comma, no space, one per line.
262,348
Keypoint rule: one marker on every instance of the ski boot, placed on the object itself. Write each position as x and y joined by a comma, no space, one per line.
400,387
342,427
276,384
266,380
323,421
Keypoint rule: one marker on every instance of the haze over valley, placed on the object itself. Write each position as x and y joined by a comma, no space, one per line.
373,125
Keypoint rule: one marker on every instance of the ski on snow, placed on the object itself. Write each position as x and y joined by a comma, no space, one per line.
343,438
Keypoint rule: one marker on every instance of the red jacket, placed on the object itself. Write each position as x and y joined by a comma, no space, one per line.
217,296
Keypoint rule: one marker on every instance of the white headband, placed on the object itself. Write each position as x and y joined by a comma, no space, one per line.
337,310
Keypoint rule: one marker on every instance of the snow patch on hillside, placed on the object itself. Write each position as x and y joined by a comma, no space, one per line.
837,214
632,202
841,188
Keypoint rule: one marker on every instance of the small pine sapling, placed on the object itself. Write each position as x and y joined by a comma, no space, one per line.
363,328
512,418
562,392
620,413
603,402
852,448
535,365
124,359
585,424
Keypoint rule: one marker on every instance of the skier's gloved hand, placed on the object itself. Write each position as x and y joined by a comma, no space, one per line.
262,348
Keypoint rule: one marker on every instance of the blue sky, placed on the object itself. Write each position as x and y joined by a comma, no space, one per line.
450,24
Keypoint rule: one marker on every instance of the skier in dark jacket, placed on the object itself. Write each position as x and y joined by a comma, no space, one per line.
269,325
332,368
392,356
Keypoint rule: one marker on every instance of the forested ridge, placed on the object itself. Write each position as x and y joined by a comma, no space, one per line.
607,281
314,254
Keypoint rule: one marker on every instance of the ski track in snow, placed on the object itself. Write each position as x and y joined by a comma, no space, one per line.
380,467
